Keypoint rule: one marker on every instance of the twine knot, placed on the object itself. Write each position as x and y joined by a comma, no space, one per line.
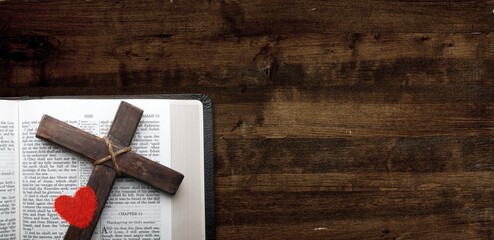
112,156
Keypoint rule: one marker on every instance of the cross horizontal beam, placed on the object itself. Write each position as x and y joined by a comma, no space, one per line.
92,147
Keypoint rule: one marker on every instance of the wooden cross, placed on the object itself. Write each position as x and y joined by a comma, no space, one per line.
94,148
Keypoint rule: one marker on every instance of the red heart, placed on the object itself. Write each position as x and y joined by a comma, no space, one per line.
77,210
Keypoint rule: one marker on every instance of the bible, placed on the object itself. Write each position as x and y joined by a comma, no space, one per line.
175,131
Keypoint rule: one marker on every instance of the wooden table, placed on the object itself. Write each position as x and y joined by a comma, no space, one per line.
333,119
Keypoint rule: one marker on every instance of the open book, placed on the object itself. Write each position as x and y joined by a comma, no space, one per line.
33,172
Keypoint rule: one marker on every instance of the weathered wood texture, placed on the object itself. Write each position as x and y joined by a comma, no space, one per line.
333,119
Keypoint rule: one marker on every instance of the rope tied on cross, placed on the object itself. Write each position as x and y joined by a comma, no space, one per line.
112,156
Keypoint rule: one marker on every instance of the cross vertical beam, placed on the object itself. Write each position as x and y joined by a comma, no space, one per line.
101,181
102,178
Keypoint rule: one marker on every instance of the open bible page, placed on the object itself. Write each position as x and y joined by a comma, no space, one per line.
8,163
133,211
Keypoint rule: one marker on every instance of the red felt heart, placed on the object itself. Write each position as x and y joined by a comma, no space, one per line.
77,210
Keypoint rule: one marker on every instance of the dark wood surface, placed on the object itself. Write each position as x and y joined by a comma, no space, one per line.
333,119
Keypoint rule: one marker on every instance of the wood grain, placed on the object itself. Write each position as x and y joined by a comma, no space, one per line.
333,119
124,124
